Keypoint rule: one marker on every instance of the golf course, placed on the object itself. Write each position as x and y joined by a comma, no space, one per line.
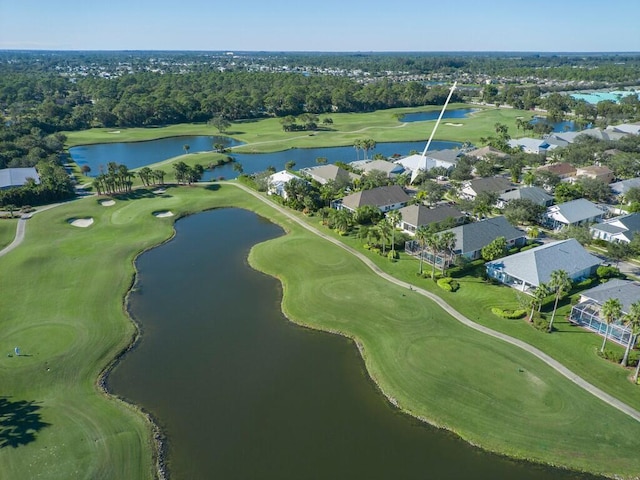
64,305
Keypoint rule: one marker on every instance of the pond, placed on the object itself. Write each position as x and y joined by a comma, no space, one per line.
558,127
139,154
424,116
242,393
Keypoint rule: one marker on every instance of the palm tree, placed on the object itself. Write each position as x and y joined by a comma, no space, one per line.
539,294
421,236
237,167
394,217
186,148
611,310
433,243
342,220
560,284
385,230
447,246
631,320
357,145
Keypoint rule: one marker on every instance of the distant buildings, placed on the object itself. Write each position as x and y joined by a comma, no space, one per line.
17,177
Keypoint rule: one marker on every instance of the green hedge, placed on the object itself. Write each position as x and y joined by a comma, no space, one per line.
511,314
448,284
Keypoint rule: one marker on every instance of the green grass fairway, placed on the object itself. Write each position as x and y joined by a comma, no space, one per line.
7,231
67,286
266,135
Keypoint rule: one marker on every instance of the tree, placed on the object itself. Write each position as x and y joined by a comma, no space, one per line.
237,167
85,169
611,310
342,220
496,249
180,169
631,320
446,244
421,236
580,232
523,211
186,148
395,217
618,251
539,294
145,174
560,284
385,231
221,123
594,189
321,160
289,165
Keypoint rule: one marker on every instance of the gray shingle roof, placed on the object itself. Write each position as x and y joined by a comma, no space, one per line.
381,165
624,290
490,184
378,197
622,187
626,223
576,210
329,172
536,194
535,266
16,177
473,236
418,215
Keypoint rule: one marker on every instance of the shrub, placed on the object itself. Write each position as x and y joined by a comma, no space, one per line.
540,322
448,284
510,314
528,247
611,355
607,272
600,243
393,255
586,283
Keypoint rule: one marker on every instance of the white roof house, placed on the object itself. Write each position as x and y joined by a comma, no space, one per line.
531,145
277,182
575,212
442,158
17,177
618,229
528,269
386,198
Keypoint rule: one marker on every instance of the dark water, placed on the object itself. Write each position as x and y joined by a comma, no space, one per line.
423,116
306,157
242,393
139,154
558,127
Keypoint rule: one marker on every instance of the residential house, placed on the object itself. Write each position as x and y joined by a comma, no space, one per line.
531,145
499,185
326,173
628,128
17,177
277,181
536,194
588,312
390,169
485,152
416,216
576,212
471,238
597,172
622,187
440,158
618,229
527,270
387,198
562,169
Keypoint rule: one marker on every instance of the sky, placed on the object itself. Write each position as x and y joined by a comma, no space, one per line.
325,25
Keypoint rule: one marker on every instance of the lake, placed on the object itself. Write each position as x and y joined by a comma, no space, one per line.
242,393
424,116
139,154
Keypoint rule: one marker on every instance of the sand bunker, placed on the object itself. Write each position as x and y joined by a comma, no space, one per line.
454,124
108,203
81,222
159,191
115,131
163,214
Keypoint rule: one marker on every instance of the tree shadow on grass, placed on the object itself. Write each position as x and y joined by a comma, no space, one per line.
213,187
135,195
19,422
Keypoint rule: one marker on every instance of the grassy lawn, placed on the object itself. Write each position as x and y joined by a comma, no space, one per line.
266,135
68,284
7,231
